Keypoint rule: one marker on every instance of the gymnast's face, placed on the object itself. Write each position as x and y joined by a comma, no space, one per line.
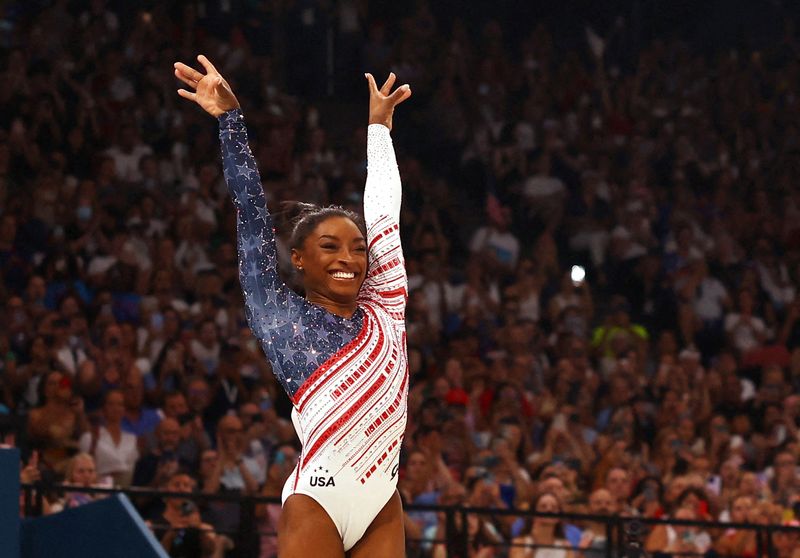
333,262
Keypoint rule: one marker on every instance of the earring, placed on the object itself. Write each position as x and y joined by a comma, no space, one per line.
299,268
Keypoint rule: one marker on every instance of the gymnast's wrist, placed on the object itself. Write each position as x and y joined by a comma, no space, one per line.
382,119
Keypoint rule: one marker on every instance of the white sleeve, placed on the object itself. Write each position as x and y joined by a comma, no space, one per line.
383,191
386,280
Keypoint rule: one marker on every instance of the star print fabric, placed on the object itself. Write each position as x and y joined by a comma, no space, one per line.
297,336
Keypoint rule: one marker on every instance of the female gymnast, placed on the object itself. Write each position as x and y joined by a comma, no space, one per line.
340,353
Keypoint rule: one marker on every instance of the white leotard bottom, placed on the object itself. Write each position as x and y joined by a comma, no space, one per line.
351,504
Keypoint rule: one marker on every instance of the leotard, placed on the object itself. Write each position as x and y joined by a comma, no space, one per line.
347,378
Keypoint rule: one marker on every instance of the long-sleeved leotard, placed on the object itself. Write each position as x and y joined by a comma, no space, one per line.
347,378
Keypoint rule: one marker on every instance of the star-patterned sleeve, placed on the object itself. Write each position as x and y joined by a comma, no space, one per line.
297,337
386,276
258,265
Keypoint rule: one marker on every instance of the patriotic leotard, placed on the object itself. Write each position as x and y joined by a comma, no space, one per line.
347,378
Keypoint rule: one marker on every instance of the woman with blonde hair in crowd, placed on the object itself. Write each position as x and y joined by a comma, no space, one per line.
546,538
738,542
80,472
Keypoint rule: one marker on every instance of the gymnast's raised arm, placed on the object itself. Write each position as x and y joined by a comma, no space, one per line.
382,197
258,272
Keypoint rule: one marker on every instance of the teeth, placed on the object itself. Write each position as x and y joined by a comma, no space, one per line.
343,275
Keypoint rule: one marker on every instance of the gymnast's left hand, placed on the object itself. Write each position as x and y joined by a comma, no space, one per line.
211,91
383,101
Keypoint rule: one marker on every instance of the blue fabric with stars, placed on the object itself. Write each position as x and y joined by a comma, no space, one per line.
297,336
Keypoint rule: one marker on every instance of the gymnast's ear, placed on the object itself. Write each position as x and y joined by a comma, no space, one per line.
297,259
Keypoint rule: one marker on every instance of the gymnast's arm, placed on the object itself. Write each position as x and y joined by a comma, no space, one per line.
258,271
386,277
382,192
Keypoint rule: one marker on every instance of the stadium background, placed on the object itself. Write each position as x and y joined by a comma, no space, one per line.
651,144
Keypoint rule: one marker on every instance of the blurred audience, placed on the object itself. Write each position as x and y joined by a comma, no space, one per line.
600,236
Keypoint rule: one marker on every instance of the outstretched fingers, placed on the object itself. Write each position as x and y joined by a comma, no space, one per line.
188,72
206,63
187,95
387,86
400,94
373,89
185,79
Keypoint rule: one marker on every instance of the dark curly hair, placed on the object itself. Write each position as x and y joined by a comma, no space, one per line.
304,218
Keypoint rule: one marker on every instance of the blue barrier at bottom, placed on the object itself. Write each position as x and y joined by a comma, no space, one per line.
109,527
9,503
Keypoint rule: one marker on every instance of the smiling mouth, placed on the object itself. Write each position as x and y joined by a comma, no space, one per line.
343,275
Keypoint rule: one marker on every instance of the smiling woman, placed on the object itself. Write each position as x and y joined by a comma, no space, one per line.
340,351
329,247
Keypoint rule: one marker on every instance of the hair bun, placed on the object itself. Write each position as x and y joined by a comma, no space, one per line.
293,211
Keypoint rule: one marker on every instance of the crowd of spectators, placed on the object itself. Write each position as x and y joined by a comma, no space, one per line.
602,255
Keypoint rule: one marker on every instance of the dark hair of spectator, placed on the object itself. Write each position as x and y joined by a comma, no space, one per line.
424,430
642,484
692,490
108,394
40,395
305,217
162,356
559,528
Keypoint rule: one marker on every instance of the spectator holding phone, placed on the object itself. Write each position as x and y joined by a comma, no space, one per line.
155,467
179,527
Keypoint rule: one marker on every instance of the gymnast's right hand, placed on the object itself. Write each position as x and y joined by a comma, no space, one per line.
211,91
